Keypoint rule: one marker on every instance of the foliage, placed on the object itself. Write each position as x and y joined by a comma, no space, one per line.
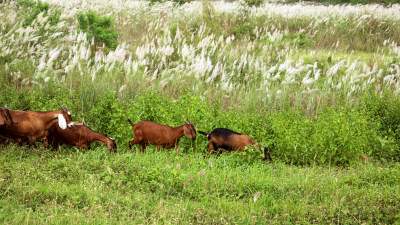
342,136
337,137
250,156
31,9
257,79
255,3
101,28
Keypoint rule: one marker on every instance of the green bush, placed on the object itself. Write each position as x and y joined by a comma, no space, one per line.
292,137
31,9
101,28
337,137
385,113
255,3
340,137
242,30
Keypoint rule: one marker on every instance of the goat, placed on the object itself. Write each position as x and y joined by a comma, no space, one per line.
82,136
5,117
147,132
34,125
229,140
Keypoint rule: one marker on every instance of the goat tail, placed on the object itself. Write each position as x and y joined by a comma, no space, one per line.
203,133
131,122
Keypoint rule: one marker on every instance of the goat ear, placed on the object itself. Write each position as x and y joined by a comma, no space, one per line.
64,109
6,106
62,123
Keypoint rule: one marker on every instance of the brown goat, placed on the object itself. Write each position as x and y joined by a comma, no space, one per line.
82,136
222,139
34,125
147,132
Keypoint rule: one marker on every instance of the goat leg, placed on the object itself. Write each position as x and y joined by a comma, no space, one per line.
32,142
144,146
130,144
177,150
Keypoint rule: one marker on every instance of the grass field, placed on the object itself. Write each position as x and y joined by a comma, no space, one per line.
68,186
318,83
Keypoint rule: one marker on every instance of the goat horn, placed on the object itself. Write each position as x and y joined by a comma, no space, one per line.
6,106
186,122
64,108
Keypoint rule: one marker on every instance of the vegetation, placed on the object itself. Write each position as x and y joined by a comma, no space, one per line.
99,28
292,76
387,2
69,186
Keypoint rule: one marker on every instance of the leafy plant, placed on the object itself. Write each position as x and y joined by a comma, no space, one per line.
255,3
31,9
249,156
101,28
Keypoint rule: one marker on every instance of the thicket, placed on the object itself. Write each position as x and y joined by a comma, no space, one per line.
100,28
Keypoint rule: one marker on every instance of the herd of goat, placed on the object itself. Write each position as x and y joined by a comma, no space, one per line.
56,127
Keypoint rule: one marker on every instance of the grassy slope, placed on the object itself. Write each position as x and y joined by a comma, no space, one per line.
39,186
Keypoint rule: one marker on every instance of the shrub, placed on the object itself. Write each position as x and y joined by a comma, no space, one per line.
32,9
385,113
292,137
101,28
252,3
340,137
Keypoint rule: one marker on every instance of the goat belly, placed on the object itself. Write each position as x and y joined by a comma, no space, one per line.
226,147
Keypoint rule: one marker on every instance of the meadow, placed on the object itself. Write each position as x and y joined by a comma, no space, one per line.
317,83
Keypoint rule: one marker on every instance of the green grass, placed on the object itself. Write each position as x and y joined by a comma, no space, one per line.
68,186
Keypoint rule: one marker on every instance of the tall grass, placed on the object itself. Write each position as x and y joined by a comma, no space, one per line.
307,55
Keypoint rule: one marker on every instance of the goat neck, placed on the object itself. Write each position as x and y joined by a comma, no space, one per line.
99,138
177,132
